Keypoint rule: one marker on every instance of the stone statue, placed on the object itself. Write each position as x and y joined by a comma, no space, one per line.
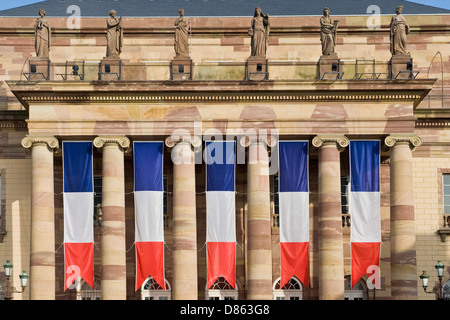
328,32
259,31
42,33
181,35
114,35
399,30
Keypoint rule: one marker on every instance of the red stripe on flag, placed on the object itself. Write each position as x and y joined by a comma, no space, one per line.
78,262
294,262
364,255
150,262
221,258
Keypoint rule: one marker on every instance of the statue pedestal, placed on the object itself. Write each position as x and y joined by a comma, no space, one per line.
181,68
110,69
329,67
257,69
401,67
39,69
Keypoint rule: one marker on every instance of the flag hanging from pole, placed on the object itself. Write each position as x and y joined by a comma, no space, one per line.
148,205
78,197
294,211
365,229
220,211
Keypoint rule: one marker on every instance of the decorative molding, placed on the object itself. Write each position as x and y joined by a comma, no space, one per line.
122,141
413,140
29,141
433,123
443,233
341,140
219,97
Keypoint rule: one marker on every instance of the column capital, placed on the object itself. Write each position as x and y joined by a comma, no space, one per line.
172,141
122,141
413,140
50,141
247,141
341,140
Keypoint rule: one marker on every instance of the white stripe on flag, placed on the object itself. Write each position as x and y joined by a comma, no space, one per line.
294,216
365,208
149,215
221,222
78,215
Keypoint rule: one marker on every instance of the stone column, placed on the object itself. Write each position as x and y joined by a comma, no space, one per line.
184,252
331,255
259,240
113,248
403,230
42,259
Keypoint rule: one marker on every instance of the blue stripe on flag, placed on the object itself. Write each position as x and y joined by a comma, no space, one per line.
365,166
293,159
220,165
148,166
77,164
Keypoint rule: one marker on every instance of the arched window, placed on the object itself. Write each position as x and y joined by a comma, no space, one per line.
359,291
222,290
292,290
151,290
85,292
446,290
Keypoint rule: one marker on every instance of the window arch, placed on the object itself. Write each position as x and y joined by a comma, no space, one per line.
359,291
222,290
151,290
85,292
292,290
446,290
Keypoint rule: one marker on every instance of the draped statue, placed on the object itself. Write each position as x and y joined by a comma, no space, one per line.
114,35
181,35
259,31
399,30
328,32
42,31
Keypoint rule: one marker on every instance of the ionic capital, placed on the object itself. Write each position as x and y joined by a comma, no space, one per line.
247,141
121,141
50,141
172,141
340,140
413,140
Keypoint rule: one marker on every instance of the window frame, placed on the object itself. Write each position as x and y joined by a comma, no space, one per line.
156,294
222,294
287,294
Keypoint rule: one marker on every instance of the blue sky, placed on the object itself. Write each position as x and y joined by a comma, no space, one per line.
8,4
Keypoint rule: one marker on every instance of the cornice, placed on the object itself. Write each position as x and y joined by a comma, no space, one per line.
148,92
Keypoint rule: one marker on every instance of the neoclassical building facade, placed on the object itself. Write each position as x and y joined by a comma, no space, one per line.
219,92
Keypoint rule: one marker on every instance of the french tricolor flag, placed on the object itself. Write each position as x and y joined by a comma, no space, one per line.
294,211
365,229
78,194
148,204
220,211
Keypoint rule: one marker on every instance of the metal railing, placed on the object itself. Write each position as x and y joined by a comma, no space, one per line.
85,70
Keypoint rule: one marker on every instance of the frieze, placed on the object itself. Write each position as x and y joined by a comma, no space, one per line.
174,98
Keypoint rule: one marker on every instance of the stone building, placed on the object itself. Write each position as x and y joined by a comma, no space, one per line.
293,93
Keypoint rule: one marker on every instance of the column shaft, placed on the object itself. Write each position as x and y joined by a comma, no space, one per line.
113,249
403,238
184,277
42,260
259,241
331,256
